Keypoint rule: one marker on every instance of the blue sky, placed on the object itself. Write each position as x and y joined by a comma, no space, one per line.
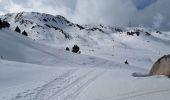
148,13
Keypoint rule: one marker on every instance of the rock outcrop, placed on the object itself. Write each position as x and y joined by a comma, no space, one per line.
161,66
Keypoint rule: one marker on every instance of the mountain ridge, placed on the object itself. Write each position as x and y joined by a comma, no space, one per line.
39,25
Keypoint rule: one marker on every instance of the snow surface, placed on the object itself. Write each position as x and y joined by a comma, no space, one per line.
42,69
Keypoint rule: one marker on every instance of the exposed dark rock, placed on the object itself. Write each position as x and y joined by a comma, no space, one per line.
159,32
80,27
147,33
132,33
118,30
45,20
47,25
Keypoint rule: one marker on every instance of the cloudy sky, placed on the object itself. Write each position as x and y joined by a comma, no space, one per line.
148,13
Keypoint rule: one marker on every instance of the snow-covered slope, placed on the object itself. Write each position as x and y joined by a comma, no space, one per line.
37,67
17,47
52,69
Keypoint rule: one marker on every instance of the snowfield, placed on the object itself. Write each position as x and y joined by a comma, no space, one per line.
38,67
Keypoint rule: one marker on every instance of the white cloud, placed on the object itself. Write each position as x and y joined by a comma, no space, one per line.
105,11
157,20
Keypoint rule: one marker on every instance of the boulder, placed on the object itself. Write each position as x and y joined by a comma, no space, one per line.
161,66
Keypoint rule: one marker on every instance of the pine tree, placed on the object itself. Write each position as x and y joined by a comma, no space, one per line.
67,49
0,24
17,29
4,24
75,49
24,33
126,62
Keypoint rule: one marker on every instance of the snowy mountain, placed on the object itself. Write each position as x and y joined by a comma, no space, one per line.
38,24
55,28
38,67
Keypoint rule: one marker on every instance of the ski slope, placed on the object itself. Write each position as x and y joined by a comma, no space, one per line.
42,70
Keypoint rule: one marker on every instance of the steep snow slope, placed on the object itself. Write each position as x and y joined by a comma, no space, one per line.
16,47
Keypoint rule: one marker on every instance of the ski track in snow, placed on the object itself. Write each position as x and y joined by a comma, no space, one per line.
55,85
65,87
71,91
41,93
